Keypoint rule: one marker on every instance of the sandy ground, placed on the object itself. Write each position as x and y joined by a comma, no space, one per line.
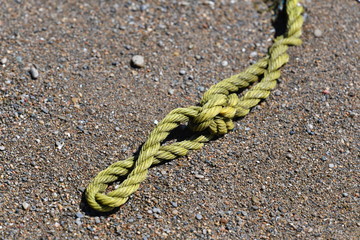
290,170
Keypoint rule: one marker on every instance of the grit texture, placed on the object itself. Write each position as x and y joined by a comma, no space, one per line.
82,83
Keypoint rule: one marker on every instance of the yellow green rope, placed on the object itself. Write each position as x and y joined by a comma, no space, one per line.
213,117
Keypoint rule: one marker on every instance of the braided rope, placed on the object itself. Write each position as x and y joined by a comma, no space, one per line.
219,105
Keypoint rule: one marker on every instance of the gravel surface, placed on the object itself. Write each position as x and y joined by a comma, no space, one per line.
71,104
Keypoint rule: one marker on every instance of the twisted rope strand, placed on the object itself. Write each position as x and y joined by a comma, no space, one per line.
219,105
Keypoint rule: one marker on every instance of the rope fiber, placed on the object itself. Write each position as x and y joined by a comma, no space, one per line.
213,117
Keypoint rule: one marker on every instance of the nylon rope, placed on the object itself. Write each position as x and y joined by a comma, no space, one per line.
213,117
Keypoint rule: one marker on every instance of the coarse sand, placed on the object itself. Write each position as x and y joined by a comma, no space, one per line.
71,104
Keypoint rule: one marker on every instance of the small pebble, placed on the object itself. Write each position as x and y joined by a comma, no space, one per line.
281,209
326,91
156,210
138,61
201,88
255,208
79,215
224,63
198,216
19,59
2,148
345,194
224,221
4,60
331,165
323,158
62,60
253,54
97,220
182,72
290,156
59,145
199,176
78,221
144,7
91,229
117,129
174,204
310,132
34,73
318,33
189,83
171,91
255,200
161,44
156,122
244,213
25,205
81,128
86,67
44,110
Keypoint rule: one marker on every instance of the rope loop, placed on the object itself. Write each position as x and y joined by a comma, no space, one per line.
216,115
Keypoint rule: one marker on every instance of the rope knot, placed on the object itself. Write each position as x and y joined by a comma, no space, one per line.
216,114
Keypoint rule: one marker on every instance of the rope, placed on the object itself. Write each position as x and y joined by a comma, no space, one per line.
212,118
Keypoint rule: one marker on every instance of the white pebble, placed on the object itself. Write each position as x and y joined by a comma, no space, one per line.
224,63
4,60
138,61
182,72
318,33
34,73
25,205
253,54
